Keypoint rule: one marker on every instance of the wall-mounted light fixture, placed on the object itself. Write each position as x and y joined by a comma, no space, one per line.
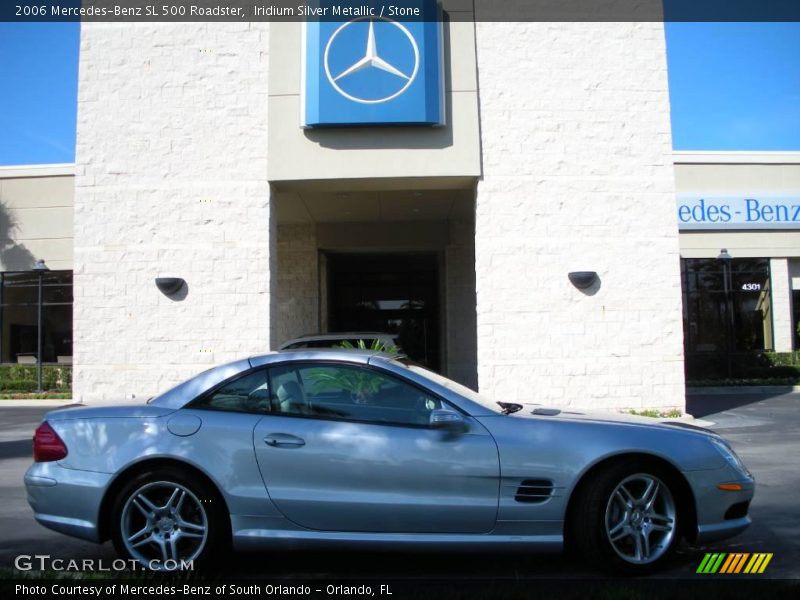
583,279
169,285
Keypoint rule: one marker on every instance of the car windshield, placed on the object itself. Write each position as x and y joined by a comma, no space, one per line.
462,390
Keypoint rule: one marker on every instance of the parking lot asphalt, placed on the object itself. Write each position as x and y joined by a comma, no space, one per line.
764,429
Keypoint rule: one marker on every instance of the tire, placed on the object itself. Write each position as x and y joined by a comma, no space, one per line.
165,516
626,518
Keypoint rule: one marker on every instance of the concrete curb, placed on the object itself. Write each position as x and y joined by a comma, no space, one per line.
743,390
686,418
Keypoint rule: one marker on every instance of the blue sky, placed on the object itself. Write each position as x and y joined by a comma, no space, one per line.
39,74
733,86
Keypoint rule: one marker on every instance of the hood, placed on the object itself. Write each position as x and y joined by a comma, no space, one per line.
538,411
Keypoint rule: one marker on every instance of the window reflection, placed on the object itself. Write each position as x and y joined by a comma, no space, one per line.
796,318
719,321
19,297
350,393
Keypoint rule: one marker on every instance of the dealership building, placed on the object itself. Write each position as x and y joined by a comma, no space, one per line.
502,196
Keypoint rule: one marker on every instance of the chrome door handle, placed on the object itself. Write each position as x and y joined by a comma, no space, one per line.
284,440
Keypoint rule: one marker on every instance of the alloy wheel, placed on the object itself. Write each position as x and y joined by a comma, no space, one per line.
640,519
162,524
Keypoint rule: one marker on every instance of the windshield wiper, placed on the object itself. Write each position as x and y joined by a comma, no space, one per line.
510,407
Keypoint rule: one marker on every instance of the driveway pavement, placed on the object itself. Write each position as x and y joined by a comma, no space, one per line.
764,429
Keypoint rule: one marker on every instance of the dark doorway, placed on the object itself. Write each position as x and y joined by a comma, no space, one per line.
727,316
391,293
796,318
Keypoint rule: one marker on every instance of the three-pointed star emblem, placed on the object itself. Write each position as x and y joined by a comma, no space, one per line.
374,59
371,59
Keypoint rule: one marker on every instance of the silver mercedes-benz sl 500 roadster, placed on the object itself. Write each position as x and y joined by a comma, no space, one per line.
325,448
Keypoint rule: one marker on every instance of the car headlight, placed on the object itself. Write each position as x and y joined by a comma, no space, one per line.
728,454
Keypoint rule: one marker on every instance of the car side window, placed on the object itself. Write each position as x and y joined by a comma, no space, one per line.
349,393
249,393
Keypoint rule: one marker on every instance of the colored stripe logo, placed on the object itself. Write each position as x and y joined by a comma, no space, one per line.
735,563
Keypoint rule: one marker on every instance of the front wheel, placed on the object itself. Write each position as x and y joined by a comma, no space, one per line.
165,520
626,518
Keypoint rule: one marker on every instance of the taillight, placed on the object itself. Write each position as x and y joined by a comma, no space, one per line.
47,445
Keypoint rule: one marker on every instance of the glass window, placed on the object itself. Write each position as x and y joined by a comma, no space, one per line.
727,314
19,302
454,386
397,294
734,319
351,393
249,393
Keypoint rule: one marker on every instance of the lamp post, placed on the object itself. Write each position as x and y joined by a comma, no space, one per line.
725,259
39,268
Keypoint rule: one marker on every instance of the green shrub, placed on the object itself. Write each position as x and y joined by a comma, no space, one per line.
759,367
779,372
657,414
22,378
783,359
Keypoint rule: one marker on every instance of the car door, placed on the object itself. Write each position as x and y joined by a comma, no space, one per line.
350,448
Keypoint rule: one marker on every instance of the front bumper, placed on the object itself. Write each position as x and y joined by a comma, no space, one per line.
66,500
720,514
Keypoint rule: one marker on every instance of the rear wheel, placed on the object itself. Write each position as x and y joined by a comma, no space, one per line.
626,518
164,519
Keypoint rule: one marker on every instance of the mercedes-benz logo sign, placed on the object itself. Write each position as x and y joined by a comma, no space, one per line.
372,60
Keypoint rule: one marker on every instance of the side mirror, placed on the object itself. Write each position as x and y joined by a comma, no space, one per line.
448,420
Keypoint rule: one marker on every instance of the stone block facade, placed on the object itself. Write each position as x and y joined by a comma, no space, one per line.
170,180
578,176
298,294
781,304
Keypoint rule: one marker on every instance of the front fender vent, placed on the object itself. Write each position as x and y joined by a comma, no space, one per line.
534,491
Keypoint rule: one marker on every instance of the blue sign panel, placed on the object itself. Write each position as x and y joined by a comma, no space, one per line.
373,70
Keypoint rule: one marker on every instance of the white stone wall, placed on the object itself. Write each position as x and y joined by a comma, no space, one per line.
577,176
781,304
171,180
298,281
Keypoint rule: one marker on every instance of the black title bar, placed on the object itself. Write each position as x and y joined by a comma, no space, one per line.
132,11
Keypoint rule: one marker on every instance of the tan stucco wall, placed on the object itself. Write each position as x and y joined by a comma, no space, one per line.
36,208
306,154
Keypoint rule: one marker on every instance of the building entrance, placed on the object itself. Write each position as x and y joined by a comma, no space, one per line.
727,316
394,293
